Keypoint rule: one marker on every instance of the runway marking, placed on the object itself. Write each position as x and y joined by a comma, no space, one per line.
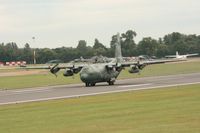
92,94
127,86
31,90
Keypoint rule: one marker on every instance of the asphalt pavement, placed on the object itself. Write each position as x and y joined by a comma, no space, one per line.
78,90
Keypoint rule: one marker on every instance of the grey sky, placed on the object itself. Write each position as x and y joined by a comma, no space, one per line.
56,23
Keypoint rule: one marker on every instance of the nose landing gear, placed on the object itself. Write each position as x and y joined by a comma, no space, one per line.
89,84
111,81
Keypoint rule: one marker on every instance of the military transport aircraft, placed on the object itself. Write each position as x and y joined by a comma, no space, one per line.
91,74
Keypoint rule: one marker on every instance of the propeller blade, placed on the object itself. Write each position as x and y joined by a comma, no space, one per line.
55,69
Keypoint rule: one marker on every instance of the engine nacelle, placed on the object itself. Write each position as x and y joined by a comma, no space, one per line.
76,70
134,69
141,66
68,72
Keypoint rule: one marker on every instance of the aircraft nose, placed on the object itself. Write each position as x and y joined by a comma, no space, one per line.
84,77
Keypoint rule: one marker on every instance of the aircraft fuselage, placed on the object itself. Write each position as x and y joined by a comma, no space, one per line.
95,73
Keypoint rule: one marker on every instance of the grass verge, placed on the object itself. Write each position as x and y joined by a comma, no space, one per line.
174,110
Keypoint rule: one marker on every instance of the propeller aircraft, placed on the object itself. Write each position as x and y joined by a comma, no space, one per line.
91,74
183,57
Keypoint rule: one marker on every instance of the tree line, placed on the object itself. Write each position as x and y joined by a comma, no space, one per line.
160,47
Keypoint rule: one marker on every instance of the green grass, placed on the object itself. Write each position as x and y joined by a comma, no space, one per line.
49,79
35,80
170,110
8,70
165,69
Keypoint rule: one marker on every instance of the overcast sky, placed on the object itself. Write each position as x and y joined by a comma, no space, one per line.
56,23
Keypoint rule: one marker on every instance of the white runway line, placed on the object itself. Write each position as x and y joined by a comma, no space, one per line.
92,94
33,90
128,86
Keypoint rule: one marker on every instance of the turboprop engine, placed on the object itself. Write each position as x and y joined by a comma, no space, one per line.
76,69
136,68
72,71
68,72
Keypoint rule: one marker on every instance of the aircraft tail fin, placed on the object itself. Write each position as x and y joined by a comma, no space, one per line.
177,54
118,51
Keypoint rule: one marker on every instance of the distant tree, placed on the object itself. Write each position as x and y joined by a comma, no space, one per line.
27,54
11,51
175,42
129,35
162,50
148,46
193,43
170,39
82,45
46,55
128,44
169,44
182,43
84,50
97,44
65,54
2,52
99,48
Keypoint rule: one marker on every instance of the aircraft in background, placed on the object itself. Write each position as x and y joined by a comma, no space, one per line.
91,74
184,57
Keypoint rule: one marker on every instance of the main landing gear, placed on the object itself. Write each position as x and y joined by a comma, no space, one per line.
89,84
111,82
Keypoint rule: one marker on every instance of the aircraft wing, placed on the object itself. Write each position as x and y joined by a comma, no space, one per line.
35,67
139,65
159,61
60,66
71,68
149,62
192,54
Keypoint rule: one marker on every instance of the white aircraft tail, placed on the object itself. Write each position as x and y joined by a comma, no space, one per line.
177,55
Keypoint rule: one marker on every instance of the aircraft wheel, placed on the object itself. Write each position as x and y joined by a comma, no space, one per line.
92,84
87,84
110,82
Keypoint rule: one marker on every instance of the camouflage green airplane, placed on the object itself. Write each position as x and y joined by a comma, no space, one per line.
91,74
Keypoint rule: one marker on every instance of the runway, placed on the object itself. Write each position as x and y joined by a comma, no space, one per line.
78,90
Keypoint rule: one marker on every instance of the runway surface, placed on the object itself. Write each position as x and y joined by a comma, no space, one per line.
77,90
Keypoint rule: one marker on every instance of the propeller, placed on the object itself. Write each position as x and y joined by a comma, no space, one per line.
119,67
140,66
137,67
55,69
71,71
